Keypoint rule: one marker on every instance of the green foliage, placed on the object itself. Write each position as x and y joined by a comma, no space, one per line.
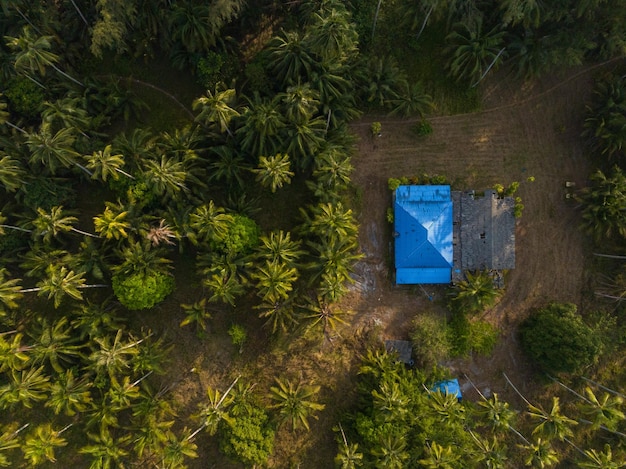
376,129
423,128
250,439
475,294
604,205
46,192
142,290
467,336
214,68
558,340
241,235
390,215
238,335
25,97
431,343
393,183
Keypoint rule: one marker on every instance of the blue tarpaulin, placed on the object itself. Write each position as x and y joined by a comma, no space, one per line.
423,234
448,387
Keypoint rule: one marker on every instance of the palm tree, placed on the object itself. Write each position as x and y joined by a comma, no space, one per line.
52,149
60,282
390,402
196,313
540,454
332,36
279,247
50,224
476,293
280,314
274,281
69,395
177,448
54,344
217,107
295,402
95,320
600,460
13,354
39,446
228,167
552,424
112,224
385,77
300,102
122,393
224,286
24,387
490,454
274,171
290,58
106,450
104,164
262,122
473,52
348,456
33,53
605,411
9,441
440,457
35,262
12,175
66,113
320,313
304,140
390,452
166,176
604,205
209,222
411,100
10,290
112,357
496,413
332,169
162,233
215,410
141,258
331,219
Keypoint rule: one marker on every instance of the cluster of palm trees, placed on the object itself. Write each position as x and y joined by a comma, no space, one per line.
401,422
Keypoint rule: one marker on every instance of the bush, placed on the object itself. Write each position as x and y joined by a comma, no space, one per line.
215,68
467,336
242,235
558,340
46,193
423,128
430,340
25,97
250,439
393,184
142,291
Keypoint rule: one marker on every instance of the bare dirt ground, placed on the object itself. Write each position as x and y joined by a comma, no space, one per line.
524,130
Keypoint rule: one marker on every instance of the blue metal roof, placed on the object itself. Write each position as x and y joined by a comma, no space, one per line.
423,234
448,387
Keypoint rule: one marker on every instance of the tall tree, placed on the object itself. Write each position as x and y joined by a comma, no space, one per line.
40,444
274,171
217,107
295,402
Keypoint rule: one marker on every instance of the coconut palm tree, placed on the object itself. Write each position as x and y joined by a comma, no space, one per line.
53,150
476,293
161,234
228,167
66,113
280,314
177,449
290,58
12,175
332,220
92,321
540,454
295,402
411,100
166,176
217,107
54,344
275,281
604,205
112,222
300,102
496,413
24,387
225,286
142,258
390,402
332,169
10,290
60,282
304,140
197,314
279,247
332,36
604,411
552,423
440,457
104,164
112,356
209,223
600,460
490,453
69,395
105,450
13,354
9,441
390,452
39,446
274,171
348,456
36,261
215,410
320,314
262,123
50,224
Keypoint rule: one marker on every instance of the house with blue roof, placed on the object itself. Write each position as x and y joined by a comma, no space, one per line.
439,234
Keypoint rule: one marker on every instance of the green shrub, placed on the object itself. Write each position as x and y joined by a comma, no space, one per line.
423,128
467,336
46,193
393,184
376,129
214,68
238,335
430,338
250,439
241,236
390,215
25,97
256,75
557,339
142,291
483,337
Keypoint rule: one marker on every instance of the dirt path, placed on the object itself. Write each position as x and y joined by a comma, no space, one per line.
526,130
